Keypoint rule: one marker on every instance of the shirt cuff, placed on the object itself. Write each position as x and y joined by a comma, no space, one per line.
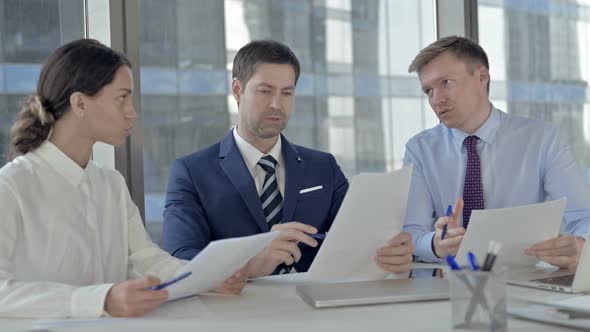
424,249
581,233
88,301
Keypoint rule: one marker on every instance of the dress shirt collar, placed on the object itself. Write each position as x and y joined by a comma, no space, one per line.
251,154
487,131
61,163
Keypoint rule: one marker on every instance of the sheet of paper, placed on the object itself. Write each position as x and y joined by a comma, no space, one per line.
46,324
548,315
516,228
372,212
287,278
579,303
217,262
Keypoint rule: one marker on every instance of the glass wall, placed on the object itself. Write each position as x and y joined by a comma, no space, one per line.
29,31
540,64
354,99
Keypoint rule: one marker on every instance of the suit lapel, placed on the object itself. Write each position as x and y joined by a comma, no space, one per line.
232,163
294,169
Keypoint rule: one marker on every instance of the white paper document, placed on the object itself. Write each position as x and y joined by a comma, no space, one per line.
372,212
572,312
217,262
46,324
579,303
551,315
515,228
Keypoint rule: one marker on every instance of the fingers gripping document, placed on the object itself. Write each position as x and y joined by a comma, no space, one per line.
516,228
217,262
372,212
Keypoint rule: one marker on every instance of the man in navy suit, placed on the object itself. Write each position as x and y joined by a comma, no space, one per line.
254,180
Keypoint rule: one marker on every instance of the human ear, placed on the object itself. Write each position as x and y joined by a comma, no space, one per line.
484,75
77,104
236,89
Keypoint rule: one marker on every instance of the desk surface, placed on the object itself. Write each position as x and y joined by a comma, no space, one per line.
271,304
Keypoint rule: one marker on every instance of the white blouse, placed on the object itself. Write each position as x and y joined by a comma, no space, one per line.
66,235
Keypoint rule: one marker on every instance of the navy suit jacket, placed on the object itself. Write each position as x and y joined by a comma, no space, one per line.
211,195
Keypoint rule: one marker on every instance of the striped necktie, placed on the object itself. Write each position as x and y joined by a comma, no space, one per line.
472,188
270,196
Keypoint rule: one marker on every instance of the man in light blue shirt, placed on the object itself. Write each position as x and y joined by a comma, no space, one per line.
487,158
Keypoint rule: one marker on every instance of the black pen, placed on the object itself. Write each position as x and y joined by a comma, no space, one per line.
493,250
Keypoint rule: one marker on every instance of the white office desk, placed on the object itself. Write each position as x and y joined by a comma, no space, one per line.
271,304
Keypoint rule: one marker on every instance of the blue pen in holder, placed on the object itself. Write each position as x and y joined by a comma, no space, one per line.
478,299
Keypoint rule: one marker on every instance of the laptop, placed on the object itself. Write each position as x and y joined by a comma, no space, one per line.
556,280
373,292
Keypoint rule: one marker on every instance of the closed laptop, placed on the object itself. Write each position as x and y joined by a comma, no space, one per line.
374,292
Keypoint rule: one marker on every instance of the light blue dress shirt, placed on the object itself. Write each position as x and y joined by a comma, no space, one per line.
523,161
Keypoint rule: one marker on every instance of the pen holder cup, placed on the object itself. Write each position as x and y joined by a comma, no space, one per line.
478,300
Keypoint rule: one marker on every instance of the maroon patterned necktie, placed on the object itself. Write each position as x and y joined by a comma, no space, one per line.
472,188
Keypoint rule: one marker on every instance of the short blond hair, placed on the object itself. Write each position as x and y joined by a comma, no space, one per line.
463,48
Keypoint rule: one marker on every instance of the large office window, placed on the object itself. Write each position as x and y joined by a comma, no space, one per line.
540,64
29,31
354,99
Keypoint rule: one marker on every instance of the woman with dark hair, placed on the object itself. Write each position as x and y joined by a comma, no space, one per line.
70,235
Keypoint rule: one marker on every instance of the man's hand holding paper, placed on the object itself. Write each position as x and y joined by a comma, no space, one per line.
396,256
283,249
563,251
234,284
518,229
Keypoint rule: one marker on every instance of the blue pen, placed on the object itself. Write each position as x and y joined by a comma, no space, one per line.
472,261
171,281
451,261
444,231
318,236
